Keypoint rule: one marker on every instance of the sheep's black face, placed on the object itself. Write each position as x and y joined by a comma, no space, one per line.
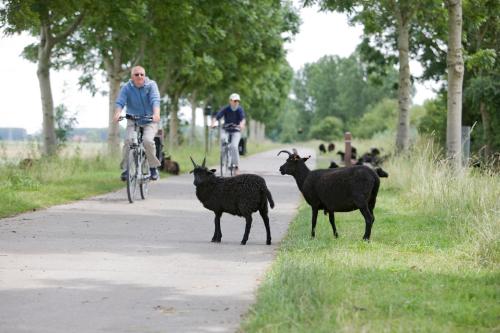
202,175
290,166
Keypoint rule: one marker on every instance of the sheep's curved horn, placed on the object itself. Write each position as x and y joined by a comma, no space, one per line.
284,151
194,164
204,160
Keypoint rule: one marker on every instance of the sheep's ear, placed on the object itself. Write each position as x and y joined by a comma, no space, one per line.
213,170
306,158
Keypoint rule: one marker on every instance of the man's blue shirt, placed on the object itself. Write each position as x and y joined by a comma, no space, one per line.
139,101
230,116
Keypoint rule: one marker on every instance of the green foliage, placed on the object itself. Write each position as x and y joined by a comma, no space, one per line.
64,122
434,121
335,87
382,117
329,129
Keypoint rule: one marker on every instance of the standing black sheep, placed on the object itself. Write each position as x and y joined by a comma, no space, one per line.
240,195
335,190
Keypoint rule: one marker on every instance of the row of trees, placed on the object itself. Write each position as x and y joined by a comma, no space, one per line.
431,32
331,95
196,50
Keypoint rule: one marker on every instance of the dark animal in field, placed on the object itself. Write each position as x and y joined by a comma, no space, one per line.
240,195
372,157
380,172
170,166
322,148
335,190
353,154
333,165
331,147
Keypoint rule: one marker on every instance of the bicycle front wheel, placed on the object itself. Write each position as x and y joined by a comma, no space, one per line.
143,186
132,167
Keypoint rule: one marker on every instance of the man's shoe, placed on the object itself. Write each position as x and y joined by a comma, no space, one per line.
154,173
124,175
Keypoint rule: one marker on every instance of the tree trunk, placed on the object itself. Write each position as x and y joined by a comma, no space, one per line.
455,78
113,127
192,134
403,132
486,120
173,140
43,73
114,74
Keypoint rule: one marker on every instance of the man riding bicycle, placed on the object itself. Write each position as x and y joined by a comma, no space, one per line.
141,97
234,123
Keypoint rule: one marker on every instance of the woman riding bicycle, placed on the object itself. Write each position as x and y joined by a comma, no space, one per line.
234,123
141,97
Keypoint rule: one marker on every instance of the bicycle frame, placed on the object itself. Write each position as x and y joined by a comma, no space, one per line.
137,164
225,156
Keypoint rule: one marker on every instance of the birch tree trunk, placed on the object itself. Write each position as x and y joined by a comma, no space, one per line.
43,73
403,131
455,65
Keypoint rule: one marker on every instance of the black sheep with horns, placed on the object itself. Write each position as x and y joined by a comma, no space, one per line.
335,190
240,195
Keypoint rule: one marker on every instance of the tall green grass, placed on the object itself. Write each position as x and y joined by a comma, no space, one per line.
432,264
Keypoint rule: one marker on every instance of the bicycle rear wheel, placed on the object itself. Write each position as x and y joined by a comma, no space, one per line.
223,162
143,185
132,174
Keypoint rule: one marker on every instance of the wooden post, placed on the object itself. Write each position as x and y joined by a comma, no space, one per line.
347,156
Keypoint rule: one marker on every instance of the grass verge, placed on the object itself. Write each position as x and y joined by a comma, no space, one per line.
432,264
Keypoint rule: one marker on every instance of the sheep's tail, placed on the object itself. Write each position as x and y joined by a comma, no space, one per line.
269,197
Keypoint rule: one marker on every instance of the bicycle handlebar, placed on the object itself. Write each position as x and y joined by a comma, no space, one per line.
133,117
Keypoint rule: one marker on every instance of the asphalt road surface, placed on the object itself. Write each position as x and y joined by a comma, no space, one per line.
104,265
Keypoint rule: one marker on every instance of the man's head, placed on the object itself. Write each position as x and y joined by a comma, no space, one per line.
138,75
234,101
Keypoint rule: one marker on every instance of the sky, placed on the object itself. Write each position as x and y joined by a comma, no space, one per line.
320,34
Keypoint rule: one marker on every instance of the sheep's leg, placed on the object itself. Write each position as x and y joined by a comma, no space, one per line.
265,218
247,229
217,233
368,221
332,223
313,221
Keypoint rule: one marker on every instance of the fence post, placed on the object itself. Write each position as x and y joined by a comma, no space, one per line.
347,156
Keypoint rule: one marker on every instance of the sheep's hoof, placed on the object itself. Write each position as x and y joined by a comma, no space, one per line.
243,242
336,235
268,242
366,239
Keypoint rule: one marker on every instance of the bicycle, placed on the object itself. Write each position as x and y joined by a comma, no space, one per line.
225,152
137,163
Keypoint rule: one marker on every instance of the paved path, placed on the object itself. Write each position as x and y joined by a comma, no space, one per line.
104,265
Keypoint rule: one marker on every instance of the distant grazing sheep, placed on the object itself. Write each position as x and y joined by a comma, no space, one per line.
322,148
333,165
380,172
335,190
170,166
331,147
240,195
